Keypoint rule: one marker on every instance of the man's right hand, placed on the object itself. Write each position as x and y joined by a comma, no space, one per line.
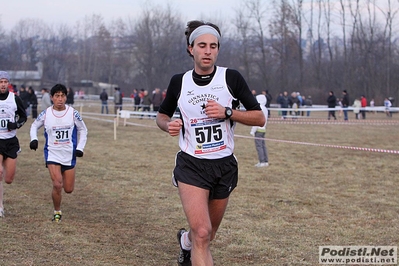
174,127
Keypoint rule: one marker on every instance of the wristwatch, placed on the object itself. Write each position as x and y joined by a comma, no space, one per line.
228,112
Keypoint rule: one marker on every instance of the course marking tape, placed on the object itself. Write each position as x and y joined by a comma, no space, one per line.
325,145
276,140
331,122
112,121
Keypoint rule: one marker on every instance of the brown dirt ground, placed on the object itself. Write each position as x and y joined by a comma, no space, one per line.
124,210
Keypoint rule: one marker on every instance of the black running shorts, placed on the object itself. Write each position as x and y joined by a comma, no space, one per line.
9,148
63,167
219,176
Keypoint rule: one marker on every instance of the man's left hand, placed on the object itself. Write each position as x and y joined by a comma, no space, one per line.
11,125
79,153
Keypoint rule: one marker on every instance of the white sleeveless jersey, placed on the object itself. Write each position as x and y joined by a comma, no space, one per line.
8,107
203,137
61,129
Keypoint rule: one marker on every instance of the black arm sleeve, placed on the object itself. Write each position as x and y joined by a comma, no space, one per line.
240,89
20,113
169,104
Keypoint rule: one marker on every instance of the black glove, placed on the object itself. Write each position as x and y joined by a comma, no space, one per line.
11,125
79,153
33,144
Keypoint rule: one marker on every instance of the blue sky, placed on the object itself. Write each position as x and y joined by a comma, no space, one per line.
54,12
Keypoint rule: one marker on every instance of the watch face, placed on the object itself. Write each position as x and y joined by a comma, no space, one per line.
228,112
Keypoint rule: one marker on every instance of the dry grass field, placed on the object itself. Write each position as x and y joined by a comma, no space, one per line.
125,211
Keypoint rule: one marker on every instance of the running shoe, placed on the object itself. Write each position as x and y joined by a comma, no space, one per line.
262,165
184,258
1,213
57,216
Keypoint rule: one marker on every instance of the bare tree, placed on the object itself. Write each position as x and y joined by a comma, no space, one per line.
389,15
56,54
87,32
344,42
26,36
284,44
297,11
242,24
158,46
258,15
4,48
266,46
121,66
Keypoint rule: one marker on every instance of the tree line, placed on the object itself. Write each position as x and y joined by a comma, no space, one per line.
308,46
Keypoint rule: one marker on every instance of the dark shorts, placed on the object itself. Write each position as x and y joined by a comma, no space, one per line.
219,176
63,167
9,148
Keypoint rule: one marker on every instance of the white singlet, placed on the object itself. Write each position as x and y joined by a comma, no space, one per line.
61,130
8,107
203,137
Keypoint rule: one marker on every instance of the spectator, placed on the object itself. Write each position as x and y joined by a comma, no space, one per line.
345,104
284,103
387,104
340,112
294,103
299,96
146,102
70,97
25,97
156,99
259,133
117,100
136,99
269,99
372,105
331,103
104,101
308,103
363,102
46,100
33,102
356,107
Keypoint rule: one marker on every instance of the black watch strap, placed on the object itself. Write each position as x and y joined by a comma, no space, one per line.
228,112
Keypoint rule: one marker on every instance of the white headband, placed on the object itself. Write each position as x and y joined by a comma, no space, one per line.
201,30
4,75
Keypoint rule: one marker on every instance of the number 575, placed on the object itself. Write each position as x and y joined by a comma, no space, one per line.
205,134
